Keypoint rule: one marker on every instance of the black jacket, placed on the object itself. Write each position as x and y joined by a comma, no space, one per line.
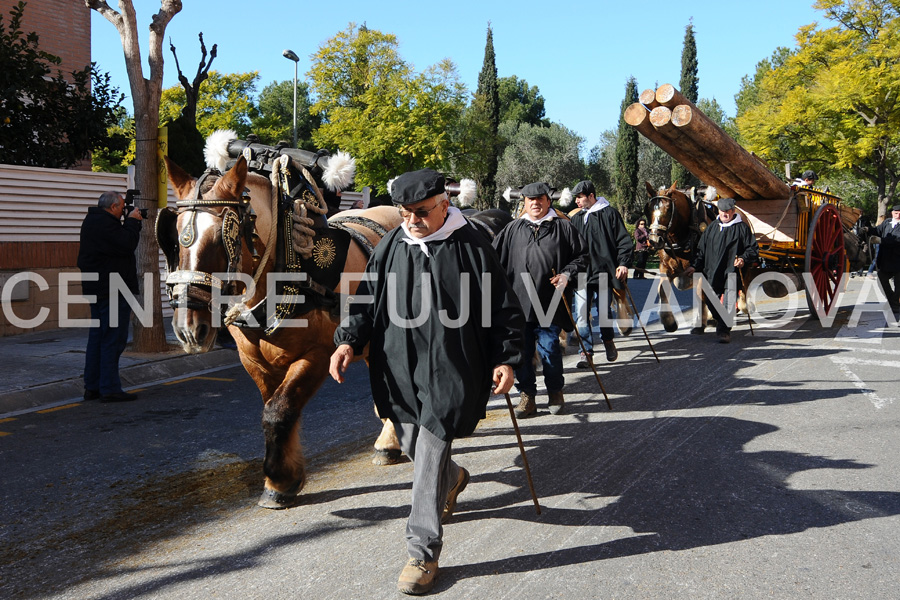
107,246
608,242
555,246
436,373
717,249
889,250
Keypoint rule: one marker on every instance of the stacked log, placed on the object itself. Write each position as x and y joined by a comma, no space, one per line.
676,125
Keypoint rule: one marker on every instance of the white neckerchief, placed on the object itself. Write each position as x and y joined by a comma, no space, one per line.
455,220
736,219
600,204
894,223
551,214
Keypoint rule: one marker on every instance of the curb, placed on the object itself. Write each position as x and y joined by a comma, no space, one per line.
137,375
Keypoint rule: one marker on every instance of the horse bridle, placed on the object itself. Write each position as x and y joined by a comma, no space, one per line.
193,289
658,229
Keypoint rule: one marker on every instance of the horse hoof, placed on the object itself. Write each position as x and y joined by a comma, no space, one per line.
276,500
386,457
670,327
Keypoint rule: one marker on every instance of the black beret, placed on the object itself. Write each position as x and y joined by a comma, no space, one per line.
895,207
725,204
584,187
416,186
533,190
809,175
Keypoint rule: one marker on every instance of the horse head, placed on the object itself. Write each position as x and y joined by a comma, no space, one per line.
209,243
668,213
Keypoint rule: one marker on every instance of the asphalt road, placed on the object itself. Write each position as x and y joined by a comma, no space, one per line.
767,468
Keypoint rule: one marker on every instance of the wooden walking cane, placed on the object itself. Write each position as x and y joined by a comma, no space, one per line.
638,315
589,358
746,299
512,415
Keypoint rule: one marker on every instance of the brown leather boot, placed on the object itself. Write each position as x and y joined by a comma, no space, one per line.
461,482
556,402
417,577
526,407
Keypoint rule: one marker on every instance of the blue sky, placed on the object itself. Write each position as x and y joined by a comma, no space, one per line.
579,54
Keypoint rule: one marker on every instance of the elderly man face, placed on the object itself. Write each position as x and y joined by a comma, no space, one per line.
537,207
425,217
727,215
895,215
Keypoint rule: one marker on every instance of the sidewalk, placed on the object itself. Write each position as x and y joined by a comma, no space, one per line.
44,369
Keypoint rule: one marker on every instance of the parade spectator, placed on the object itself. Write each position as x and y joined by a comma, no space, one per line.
807,179
725,245
541,253
641,249
888,258
106,258
609,250
431,369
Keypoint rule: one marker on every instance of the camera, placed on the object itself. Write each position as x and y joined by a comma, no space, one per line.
129,202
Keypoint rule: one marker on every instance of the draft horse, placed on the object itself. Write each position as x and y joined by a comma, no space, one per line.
675,225
232,223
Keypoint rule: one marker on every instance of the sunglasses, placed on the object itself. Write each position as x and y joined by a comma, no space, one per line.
419,212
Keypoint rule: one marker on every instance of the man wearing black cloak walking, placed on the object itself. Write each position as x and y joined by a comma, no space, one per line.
725,245
541,254
610,252
442,325
888,259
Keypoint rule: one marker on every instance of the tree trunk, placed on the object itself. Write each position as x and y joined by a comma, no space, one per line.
145,94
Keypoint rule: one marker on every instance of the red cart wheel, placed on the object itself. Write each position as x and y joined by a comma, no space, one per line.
826,258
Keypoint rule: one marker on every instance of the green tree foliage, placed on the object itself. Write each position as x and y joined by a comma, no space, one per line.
654,166
533,153
118,152
688,85
626,170
374,106
225,101
487,102
46,121
275,121
521,102
832,105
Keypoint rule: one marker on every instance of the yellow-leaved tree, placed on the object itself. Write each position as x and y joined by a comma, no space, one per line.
834,102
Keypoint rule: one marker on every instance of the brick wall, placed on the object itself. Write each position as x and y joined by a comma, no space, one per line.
64,28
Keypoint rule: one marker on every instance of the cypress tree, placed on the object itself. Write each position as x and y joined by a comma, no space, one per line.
488,93
688,86
626,174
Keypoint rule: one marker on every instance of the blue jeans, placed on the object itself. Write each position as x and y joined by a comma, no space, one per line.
583,301
546,340
105,345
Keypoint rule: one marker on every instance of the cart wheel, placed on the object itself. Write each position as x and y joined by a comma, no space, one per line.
826,257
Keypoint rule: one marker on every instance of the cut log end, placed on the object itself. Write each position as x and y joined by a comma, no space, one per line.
660,116
665,93
636,114
648,99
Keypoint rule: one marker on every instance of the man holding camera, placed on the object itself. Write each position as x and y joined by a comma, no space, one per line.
106,259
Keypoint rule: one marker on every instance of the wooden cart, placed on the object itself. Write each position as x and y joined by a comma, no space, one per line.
799,229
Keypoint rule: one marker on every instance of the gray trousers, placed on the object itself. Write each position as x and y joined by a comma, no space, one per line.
434,473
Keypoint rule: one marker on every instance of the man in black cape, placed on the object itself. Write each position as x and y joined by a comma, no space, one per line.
888,259
541,252
725,245
442,325
610,251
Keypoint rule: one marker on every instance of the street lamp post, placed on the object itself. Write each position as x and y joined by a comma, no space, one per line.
291,55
